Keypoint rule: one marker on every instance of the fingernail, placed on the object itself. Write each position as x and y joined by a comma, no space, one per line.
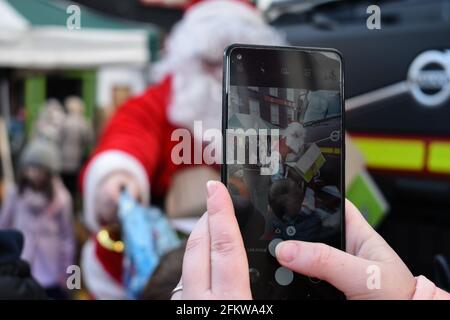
211,187
286,251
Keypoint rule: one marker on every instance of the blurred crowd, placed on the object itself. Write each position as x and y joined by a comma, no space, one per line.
41,203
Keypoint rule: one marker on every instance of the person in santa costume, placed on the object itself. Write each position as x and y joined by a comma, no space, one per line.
135,148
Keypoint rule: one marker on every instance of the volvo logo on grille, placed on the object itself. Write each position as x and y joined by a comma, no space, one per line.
429,78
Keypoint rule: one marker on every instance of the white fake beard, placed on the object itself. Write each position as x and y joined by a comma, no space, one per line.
196,96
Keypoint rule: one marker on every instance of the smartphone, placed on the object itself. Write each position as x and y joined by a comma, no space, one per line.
283,158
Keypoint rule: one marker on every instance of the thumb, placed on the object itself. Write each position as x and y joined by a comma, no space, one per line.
347,273
219,201
229,267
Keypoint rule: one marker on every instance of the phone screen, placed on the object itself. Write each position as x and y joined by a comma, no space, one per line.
283,153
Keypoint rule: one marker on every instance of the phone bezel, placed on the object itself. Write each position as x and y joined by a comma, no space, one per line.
225,89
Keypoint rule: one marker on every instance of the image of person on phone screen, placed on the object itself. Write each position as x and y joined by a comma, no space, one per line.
291,220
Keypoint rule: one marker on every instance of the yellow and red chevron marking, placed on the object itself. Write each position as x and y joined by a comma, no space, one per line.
406,154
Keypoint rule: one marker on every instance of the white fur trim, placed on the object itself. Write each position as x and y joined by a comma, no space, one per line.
99,167
97,280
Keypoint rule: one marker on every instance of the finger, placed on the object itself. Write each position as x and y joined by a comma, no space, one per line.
134,189
354,218
179,294
196,261
229,266
120,182
342,270
357,229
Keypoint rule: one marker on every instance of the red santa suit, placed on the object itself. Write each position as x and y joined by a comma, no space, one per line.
138,137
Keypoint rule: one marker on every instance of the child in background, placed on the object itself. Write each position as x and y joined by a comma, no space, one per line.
40,207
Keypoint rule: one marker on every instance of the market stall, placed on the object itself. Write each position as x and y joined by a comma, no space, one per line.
43,54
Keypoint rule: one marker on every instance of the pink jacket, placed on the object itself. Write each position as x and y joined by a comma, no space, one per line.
48,231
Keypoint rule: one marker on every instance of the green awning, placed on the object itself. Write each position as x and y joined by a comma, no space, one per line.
53,13
39,27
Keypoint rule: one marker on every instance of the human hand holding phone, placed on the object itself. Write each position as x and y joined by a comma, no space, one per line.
215,263
290,98
353,272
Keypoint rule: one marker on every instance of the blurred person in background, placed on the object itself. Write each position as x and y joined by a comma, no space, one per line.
16,281
17,134
134,150
76,138
41,208
50,121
